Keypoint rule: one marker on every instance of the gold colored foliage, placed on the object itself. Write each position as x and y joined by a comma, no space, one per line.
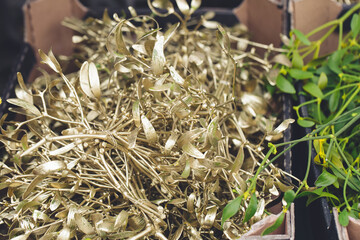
157,130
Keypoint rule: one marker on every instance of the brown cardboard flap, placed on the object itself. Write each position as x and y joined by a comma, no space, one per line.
307,15
264,19
351,232
43,29
285,231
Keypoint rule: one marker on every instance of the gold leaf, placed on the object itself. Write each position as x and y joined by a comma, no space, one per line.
170,32
89,80
121,220
63,149
158,57
183,6
239,160
170,143
190,136
50,60
136,113
162,5
177,233
25,105
195,4
189,149
22,83
21,94
83,224
223,38
55,202
132,138
40,215
210,217
282,59
32,185
149,130
187,169
121,47
94,80
176,76
49,167
22,237
64,234
84,79
283,126
105,226
161,88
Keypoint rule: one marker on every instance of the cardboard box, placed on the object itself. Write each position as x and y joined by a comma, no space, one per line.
267,19
43,30
351,232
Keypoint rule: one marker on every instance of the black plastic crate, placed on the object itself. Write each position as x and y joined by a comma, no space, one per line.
24,64
316,217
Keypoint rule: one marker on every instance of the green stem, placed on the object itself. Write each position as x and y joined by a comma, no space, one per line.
304,182
319,110
261,167
344,191
348,102
303,139
309,162
322,27
341,152
340,35
349,124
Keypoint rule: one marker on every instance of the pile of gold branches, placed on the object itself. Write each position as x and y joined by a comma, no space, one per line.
154,134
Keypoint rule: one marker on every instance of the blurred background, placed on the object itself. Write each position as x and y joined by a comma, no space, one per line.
11,25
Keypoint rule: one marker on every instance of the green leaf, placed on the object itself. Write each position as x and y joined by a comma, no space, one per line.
284,85
355,25
325,179
313,89
323,80
289,196
275,226
344,218
300,74
354,183
251,210
231,209
305,123
334,101
335,59
302,38
313,197
297,61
